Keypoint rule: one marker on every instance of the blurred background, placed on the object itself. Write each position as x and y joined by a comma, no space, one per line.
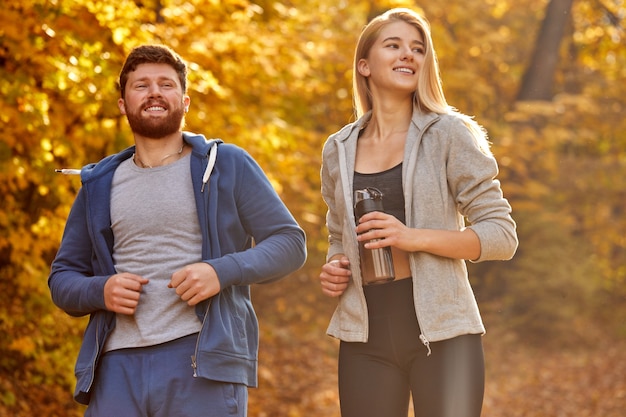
546,78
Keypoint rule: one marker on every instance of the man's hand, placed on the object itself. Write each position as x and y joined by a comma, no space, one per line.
122,291
195,283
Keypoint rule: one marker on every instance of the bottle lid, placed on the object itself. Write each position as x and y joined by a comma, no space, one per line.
367,200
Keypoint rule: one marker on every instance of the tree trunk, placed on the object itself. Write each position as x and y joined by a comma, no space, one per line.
538,81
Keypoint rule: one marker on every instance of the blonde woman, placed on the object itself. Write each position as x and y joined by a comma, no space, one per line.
420,334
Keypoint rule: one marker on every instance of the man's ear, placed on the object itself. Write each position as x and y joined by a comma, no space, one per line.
122,106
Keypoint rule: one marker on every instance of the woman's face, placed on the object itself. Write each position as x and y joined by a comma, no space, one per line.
394,61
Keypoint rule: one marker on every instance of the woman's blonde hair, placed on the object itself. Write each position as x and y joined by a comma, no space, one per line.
429,95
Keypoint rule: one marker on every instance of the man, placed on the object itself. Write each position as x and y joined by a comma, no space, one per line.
160,248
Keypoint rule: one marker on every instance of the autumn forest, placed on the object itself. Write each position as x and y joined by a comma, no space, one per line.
546,78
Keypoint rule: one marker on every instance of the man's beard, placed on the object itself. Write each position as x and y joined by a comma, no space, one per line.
156,128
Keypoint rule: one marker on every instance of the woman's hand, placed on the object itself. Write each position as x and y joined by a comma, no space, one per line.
455,244
389,230
335,276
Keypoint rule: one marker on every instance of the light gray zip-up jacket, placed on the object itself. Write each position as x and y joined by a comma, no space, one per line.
446,179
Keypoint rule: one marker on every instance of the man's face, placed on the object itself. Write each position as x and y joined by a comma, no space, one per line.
154,102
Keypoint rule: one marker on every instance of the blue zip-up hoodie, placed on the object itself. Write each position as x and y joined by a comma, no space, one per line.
248,236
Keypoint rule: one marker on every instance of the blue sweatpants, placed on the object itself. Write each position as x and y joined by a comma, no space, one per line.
158,381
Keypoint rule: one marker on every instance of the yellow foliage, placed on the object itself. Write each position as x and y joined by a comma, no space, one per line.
24,345
275,78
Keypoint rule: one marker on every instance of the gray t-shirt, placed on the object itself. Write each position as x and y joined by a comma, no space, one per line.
155,225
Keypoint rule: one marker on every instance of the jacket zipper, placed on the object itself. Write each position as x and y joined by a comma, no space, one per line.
423,338
426,343
194,357
95,360
205,181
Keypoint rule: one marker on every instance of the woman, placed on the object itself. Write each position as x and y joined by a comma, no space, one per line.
420,334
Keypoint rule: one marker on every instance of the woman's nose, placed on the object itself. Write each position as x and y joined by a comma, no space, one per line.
407,54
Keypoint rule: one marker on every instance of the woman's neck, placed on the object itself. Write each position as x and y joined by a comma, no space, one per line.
387,121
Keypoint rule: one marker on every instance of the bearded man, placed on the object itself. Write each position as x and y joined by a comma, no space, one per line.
160,249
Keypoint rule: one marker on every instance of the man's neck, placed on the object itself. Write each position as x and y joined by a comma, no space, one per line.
153,152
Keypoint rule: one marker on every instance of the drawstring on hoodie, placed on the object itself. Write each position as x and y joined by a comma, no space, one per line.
210,165
68,171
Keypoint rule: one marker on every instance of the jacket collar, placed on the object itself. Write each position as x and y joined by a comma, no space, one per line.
199,143
201,147
420,119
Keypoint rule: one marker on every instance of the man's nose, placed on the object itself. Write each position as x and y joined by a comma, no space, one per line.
154,90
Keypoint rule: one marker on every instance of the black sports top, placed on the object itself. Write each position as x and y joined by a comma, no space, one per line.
389,182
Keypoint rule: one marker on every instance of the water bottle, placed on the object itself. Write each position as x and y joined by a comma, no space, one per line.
376,264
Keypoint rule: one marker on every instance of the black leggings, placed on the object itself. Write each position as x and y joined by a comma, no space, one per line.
377,378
